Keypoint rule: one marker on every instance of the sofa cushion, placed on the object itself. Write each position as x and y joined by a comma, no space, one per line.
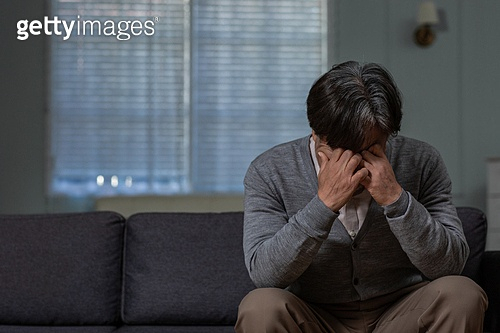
60,269
184,268
57,329
474,224
175,329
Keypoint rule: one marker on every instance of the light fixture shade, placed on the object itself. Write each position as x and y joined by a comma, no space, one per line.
427,13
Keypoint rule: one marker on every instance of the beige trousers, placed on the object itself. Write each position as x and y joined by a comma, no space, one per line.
452,304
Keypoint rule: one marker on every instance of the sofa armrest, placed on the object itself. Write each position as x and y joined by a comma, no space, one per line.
490,275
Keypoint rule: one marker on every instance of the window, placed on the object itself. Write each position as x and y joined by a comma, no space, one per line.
187,108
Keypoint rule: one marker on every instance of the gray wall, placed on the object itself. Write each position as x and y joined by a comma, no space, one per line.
449,90
22,103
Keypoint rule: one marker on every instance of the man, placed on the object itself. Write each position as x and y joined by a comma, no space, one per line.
352,229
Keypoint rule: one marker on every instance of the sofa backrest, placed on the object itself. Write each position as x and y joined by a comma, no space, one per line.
60,269
178,268
475,226
184,268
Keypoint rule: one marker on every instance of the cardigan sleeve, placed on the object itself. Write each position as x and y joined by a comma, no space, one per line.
279,248
425,221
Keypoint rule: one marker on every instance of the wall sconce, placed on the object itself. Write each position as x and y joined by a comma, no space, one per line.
426,18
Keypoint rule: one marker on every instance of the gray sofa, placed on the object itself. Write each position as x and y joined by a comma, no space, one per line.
153,272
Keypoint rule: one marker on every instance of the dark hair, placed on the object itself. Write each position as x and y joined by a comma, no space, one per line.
351,98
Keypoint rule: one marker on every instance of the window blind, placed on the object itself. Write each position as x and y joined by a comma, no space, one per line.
183,110
119,112
255,62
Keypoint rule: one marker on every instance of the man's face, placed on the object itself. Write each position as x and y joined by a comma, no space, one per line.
374,136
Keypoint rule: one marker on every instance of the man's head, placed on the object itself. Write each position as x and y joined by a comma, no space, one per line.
350,101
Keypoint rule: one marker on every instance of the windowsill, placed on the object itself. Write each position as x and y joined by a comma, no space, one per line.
195,203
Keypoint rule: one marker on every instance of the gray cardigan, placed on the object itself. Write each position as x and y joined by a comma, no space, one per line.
292,240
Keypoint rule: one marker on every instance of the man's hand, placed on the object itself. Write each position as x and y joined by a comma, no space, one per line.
339,176
381,181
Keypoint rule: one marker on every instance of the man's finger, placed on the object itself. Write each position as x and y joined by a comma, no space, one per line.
354,162
376,150
322,159
361,176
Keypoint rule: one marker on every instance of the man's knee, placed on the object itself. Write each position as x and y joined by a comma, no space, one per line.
274,310
262,302
462,292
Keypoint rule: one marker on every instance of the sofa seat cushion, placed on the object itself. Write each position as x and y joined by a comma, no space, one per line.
184,269
60,269
175,329
57,329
